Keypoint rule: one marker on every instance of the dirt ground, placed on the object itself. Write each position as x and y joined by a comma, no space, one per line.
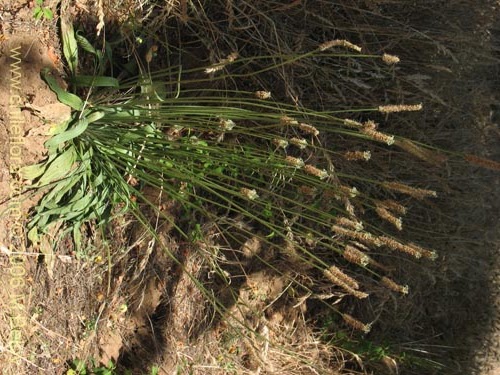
87,309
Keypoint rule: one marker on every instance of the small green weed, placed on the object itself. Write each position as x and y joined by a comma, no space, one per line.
40,11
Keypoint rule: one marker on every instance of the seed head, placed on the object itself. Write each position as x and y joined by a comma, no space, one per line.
392,108
226,125
280,143
356,324
409,190
288,121
312,170
392,285
262,94
352,123
309,129
295,162
357,155
339,43
299,142
356,256
390,59
249,193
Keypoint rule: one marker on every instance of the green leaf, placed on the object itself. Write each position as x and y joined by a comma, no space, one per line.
63,96
70,46
85,44
48,13
69,134
30,172
95,81
37,13
59,167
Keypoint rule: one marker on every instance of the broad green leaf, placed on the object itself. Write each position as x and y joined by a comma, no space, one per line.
70,47
69,134
85,44
95,81
64,97
59,167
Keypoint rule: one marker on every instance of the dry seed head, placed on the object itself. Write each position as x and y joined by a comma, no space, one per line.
339,43
408,190
262,95
336,273
392,285
390,59
357,155
389,217
398,246
356,324
393,206
392,108
351,192
232,56
309,129
288,121
348,223
370,124
312,170
307,190
299,142
378,136
364,237
356,256
249,193
295,162
226,125
352,123
429,156
251,247
429,254
340,282
349,207
219,66
482,162
280,143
